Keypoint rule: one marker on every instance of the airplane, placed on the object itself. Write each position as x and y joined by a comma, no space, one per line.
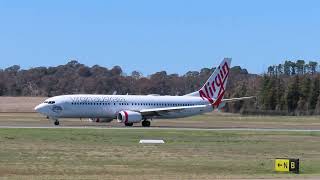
130,109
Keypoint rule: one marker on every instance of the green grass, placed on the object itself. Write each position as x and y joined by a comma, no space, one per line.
116,154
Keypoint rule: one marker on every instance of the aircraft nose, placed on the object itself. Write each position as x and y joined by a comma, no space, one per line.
40,108
37,108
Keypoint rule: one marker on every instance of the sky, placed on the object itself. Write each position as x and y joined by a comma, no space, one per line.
150,36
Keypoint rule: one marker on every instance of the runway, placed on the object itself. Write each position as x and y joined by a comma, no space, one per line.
163,128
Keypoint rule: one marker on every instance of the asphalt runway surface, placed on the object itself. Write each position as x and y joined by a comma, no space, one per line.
206,122
163,128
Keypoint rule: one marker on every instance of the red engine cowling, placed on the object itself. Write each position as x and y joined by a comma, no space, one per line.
129,117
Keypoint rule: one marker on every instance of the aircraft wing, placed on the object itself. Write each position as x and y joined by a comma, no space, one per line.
158,111
237,99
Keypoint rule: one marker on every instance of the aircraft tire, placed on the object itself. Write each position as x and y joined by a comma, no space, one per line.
128,124
146,123
56,123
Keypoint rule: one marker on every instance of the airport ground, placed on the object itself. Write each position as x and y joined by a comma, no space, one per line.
220,148
99,151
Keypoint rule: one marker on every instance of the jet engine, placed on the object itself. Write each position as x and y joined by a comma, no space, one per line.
100,120
129,117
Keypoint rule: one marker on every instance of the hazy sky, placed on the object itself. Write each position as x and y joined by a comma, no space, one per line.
154,35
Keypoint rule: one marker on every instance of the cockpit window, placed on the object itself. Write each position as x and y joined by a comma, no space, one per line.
49,102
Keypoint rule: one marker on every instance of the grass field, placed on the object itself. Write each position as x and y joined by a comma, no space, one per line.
116,154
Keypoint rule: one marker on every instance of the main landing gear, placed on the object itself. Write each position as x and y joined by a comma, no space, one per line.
145,123
128,124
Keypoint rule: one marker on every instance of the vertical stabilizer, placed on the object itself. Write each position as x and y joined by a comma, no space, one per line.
214,88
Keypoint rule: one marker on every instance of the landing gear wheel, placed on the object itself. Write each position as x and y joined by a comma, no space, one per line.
56,123
146,123
128,124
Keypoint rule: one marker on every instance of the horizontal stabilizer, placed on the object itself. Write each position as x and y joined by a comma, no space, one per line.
238,99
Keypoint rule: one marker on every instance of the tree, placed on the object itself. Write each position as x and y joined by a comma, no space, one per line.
280,94
240,91
300,66
271,70
265,92
313,66
13,69
286,68
301,107
293,68
306,88
272,94
315,92
317,110
238,69
192,74
73,63
293,95
116,71
84,71
159,83
280,69
2,89
136,75
205,71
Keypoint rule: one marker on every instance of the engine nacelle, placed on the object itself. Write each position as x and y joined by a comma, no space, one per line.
129,117
100,120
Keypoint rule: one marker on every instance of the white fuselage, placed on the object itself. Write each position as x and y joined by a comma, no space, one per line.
107,106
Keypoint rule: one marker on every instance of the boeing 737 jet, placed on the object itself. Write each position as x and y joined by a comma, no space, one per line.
130,109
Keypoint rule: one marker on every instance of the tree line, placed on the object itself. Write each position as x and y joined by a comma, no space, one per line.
288,68
289,88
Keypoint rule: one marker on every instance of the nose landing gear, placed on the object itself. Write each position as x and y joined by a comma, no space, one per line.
56,122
